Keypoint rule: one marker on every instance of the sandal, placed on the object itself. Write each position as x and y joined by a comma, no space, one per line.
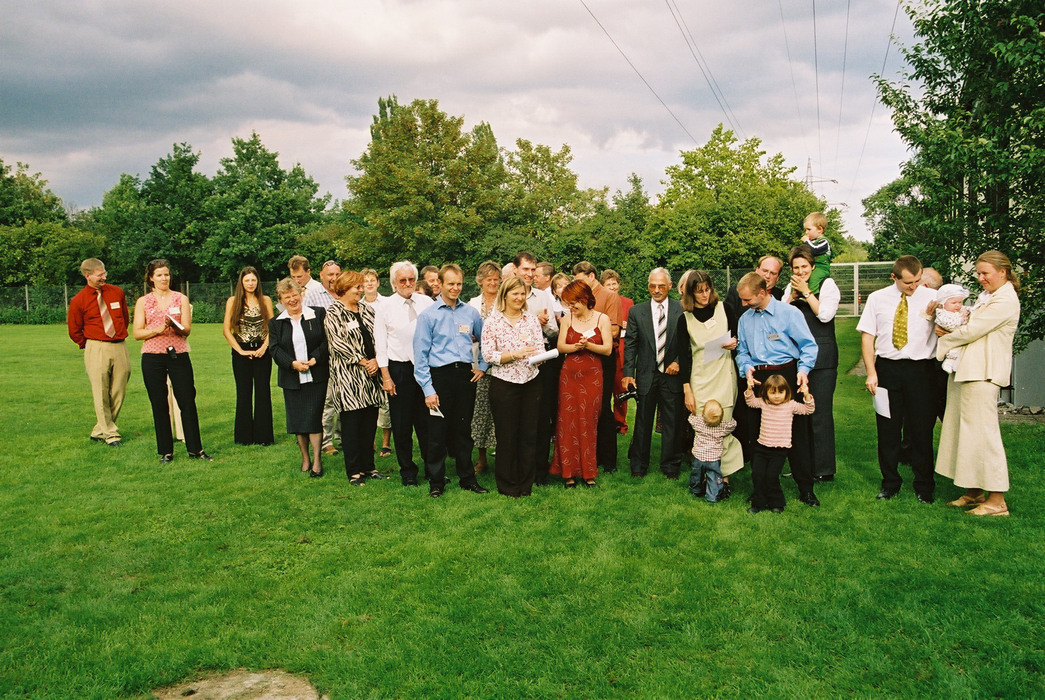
984,509
375,474
590,483
357,479
570,483
385,452
966,500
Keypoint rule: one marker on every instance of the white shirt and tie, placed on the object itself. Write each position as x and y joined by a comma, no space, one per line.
394,324
660,330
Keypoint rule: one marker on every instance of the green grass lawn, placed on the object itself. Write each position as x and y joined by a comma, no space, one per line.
118,575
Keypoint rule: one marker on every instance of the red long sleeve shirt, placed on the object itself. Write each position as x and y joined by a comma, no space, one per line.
85,320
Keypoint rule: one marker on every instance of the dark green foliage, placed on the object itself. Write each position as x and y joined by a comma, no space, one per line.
24,197
972,108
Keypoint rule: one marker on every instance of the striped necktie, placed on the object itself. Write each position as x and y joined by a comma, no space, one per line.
662,335
107,324
900,324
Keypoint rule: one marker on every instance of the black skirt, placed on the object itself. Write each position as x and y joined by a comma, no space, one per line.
305,407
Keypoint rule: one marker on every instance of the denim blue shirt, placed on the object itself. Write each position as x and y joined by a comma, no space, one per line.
775,336
443,336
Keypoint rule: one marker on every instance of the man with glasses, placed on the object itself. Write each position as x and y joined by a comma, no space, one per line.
394,325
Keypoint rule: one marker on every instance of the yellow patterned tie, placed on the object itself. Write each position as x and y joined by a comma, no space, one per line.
900,324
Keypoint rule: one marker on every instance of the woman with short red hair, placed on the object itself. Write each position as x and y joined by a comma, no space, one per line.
584,335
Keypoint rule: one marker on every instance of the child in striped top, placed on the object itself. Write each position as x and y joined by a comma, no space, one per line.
774,439
709,430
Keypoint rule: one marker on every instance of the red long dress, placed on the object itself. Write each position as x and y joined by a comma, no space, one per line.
580,399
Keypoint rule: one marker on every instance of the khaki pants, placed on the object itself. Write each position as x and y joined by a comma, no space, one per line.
108,368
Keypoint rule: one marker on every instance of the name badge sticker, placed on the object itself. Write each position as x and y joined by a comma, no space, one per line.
774,336
464,328
114,304
709,324
352,325
588,334
175,309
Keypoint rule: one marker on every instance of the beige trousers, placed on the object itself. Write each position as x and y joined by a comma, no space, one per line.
108,369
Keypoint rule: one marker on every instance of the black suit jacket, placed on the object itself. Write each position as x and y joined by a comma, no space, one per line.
281,345
640,346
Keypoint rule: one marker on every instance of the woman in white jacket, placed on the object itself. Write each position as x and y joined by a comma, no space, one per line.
971,451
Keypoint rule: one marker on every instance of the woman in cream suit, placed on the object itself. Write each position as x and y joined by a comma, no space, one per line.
971,452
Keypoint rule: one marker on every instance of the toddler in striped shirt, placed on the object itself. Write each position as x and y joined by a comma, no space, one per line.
709,430
774,439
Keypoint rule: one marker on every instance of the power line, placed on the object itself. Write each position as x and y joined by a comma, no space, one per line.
816,75
791,67
646,82
860,160
704,67
841,96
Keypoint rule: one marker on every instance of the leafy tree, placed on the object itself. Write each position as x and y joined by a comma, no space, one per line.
256,212
972,107
426,189
24,197
727,204
45,253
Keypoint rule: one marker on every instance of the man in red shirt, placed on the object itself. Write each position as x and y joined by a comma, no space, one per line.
98,320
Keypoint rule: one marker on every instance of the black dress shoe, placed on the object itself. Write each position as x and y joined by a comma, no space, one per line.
541,481
97,439
607,470
638,475
755,509
824,477
672,475
115,443
409,482
928,500
474,488
886,494
777,510
166,459
810,499
435,491
201,455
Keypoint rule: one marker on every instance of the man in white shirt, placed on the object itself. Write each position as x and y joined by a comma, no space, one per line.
322,295
898,345
539,302
394,325
301,272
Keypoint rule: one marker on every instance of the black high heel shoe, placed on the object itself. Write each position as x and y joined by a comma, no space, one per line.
314,474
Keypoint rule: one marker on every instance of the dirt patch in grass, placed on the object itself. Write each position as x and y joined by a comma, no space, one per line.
243,685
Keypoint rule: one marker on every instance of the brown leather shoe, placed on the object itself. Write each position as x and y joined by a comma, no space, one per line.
330,450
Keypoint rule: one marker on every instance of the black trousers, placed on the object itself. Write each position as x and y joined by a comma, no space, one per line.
358,429
766,463
822,422
408,414
453,384
912,407
800,455
669,402
748,421
515,409
606,432
253,377
547,414
156,368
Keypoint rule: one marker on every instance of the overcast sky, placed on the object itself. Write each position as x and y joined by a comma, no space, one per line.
90,89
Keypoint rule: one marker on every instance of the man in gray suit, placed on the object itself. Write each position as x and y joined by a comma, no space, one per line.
654,353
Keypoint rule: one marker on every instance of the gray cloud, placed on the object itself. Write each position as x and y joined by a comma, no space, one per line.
90,90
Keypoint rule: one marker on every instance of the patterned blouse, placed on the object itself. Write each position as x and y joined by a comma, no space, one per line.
351,388
252,327
154,320
500,336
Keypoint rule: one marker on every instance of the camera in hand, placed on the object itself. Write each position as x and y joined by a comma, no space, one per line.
629,394
172,353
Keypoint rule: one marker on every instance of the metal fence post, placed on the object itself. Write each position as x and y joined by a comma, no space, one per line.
856,289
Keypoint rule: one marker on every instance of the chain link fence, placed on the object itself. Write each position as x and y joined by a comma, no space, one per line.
48,304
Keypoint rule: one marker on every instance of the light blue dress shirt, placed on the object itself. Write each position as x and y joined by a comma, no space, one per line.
444,336
775,336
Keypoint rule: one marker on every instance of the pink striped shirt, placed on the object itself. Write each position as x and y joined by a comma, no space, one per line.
775,430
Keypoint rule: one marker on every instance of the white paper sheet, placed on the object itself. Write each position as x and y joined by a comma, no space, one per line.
543,357
714,350
881,402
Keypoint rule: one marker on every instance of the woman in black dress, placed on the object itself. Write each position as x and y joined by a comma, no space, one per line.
298,345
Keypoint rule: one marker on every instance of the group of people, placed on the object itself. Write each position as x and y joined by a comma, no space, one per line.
531,366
